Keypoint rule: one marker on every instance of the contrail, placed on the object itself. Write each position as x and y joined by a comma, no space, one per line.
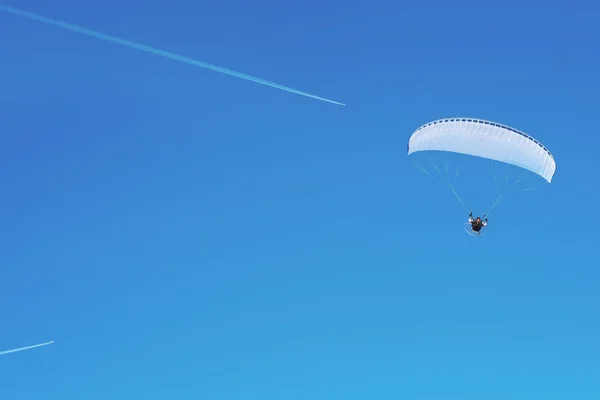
152,50
25,348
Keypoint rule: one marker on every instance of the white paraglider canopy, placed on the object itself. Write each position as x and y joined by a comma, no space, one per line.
484,139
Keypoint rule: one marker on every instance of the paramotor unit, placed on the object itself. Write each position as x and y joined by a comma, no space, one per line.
471,232
448,149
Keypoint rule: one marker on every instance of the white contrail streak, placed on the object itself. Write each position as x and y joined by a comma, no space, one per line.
25,348
148,49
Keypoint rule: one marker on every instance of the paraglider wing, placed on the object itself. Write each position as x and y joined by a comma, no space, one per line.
484,139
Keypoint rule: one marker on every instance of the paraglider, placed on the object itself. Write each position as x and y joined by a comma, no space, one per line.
444,149
477,223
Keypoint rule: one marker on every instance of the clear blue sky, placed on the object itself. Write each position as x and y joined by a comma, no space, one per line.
183,234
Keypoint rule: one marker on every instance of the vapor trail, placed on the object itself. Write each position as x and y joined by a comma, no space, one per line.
148,49
25,348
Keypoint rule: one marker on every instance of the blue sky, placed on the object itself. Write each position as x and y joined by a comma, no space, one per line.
185,234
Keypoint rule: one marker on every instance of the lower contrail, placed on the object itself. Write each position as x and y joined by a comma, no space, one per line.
25,348
148,49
